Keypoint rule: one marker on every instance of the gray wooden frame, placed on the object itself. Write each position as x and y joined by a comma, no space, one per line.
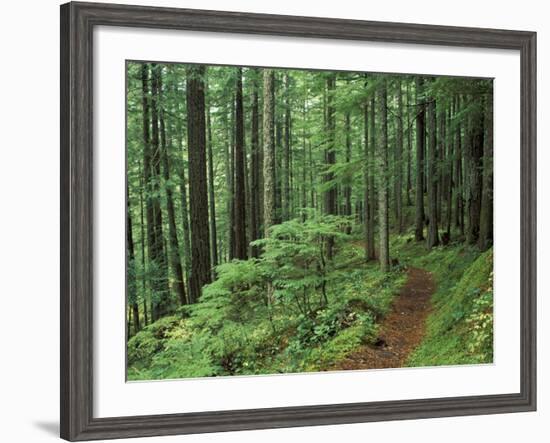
77,24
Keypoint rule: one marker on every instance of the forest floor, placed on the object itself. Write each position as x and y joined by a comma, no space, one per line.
433,308
402,329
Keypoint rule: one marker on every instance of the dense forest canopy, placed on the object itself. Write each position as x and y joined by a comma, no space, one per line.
254,194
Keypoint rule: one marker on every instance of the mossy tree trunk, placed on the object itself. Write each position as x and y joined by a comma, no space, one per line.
486,215
382,163
399,160
239,198
330,158
211,193
256,190
198,192
158,250
431,179
175,259
420,140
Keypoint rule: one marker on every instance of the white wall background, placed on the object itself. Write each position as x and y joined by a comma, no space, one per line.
29,188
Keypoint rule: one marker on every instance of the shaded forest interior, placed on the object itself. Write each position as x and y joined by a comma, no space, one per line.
272,212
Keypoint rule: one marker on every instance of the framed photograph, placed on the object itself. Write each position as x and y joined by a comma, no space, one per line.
273,221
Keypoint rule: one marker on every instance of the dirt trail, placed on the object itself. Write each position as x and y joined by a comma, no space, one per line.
402,329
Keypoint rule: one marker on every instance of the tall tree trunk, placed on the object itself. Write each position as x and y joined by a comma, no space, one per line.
198,193
142,242
279,152
255,173
145,174
227,150
269,161
459,201
175,259
211,194
475,156
285,175
409,145
240,195
420,140
347,187
159,252
147,180
269,152
439,161
260,151
449,172
246,192
486,216
433,235
330,156
132,288
184,205
185,217
231,188
372,204
367,171
399,160
382,162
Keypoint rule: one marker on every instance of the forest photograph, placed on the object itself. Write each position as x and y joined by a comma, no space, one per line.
289,220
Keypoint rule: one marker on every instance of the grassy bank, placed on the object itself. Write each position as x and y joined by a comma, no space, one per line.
460,327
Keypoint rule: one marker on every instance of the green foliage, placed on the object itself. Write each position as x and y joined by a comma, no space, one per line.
232,330
296,263
235,295
350,320
460,329
150,340
480,323
178,359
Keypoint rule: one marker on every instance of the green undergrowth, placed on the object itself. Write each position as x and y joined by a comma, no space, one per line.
211,342
320,311
460,326
358,306
232,330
